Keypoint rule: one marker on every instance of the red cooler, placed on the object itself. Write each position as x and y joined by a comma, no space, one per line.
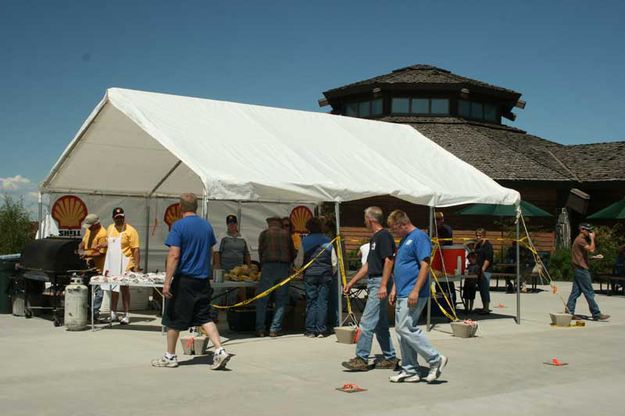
452,257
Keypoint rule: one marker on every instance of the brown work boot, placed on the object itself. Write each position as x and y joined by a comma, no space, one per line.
274,334
387,364
601,317
576,318
356,364
260,334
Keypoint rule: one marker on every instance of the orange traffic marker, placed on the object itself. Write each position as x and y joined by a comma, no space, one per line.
350,388
555,362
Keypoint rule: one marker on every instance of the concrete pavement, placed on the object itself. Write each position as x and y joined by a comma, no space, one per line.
50,371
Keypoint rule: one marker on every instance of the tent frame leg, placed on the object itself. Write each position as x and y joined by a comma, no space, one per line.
428,324
339,303
146,262
518,274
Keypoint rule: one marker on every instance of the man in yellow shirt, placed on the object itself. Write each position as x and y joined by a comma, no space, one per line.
93,250
130,249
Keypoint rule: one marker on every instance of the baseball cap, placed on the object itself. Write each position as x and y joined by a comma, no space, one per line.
586,226
90,220
231,219
118,212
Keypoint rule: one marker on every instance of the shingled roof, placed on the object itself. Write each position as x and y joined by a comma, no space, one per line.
595,162
507,153
422,77
500,151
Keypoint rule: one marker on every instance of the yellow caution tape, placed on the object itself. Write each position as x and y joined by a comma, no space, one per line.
278,285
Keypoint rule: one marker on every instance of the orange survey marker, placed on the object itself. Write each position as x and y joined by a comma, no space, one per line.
555,362
350,388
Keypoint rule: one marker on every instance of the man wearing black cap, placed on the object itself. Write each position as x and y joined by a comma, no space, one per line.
233,249
129,239
584,243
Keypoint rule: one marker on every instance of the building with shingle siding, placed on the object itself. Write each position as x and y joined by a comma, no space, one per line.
465,116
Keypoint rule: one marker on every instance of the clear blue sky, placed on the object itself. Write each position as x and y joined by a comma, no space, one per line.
57,58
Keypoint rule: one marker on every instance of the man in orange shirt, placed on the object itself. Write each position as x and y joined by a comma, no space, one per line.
93,250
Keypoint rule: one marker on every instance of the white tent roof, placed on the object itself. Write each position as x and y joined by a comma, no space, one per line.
142,143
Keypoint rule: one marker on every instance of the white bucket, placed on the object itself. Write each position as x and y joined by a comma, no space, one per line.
561,319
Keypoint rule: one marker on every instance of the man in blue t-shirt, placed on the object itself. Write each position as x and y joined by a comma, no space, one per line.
187,287
411,292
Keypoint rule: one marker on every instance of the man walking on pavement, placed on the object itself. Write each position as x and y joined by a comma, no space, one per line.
187,285
375,316
582,283
411,292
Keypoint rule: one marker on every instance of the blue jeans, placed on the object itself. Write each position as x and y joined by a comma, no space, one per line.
317,288
272,273
484,284
333,302
374,320
582,283
412,340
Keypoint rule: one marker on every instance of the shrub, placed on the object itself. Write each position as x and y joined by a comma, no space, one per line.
608,241
15,226
560,265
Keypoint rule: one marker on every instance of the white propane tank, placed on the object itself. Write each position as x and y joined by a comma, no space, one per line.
76,300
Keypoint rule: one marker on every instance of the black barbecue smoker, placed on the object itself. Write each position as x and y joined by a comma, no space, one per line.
52,260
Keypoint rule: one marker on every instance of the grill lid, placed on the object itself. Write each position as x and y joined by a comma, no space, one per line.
55,255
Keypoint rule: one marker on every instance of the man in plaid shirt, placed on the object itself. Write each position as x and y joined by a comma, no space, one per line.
276,252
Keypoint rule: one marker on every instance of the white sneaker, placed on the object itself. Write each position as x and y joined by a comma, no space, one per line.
113,317
165,362
125,320
220,359
403,376
436,369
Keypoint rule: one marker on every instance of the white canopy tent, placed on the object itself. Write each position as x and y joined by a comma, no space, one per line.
150,145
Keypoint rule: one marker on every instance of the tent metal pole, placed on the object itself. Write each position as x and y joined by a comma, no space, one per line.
518,273
146,262
167,175
339,303
40,215
205,204
429,312
239,214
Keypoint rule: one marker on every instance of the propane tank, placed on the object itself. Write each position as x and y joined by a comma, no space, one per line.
76,305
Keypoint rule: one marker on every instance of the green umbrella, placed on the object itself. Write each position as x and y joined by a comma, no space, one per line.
616,211
527,209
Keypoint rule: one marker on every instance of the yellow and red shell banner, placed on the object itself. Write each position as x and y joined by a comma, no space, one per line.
172,214
69,211
299,217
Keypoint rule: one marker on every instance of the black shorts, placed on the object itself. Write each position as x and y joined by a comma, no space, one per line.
190,304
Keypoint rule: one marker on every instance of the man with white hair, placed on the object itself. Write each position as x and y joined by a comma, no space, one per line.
375,316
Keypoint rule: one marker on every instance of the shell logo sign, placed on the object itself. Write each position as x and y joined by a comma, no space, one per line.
172,214
299,217
69,212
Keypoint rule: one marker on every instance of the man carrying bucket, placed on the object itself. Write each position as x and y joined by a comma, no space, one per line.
411,292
